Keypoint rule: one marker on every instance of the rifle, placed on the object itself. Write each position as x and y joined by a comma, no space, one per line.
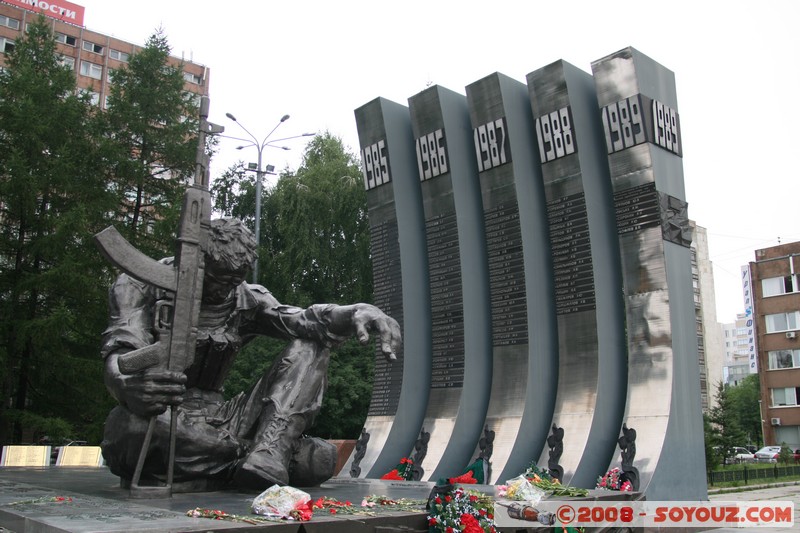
520,511
176,318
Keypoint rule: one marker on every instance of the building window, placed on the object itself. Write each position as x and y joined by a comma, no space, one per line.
92,70
67,61
6,45
782,321
192,78
779,359
779,285
92,47
784,396
110,75
8,22
94,98
66,39
119,56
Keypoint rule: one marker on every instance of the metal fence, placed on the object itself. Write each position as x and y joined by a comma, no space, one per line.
753,475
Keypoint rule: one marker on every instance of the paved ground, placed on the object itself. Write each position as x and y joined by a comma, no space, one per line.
100,505
784,492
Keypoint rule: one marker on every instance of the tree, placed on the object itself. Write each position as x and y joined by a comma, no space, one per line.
785,455
67,170
713,453
233,193
316,232
744,402
53,197
725,429
314,248
151,129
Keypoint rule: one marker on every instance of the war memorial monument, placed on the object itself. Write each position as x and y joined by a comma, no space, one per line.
531,243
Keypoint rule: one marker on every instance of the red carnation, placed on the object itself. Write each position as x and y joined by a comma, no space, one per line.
464,479
394,474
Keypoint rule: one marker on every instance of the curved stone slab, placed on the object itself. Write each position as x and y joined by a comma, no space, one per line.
400,278
586,269
458,273
638,106
520,279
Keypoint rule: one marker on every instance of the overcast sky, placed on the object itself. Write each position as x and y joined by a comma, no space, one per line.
736,65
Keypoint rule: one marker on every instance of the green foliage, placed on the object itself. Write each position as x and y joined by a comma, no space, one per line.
713,454
314,249
734,421
743,400
252,362
66,172
234,194
53,429
724,420
345,405
151,138
315,242
54,197
785,456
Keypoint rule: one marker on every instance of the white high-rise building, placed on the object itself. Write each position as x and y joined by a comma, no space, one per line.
709,333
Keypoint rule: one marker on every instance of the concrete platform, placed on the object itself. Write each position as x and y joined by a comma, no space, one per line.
99,504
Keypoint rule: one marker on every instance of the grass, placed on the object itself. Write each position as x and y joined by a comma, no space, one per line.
737,486
752,479
750,466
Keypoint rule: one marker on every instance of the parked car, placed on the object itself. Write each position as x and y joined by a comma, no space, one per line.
768,454
740,454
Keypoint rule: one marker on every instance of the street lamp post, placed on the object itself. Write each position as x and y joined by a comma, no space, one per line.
260,146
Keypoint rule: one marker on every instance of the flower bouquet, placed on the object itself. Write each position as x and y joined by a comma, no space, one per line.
461,511
542,480
403,472
283,502
614,479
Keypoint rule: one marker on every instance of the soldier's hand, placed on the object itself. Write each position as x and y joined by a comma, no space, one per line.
369,318
150,392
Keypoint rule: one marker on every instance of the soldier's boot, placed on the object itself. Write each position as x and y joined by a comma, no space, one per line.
267,463
313,462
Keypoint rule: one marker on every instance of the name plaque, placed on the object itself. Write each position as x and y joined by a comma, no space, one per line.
25,456
573,273
637,208
446,302
506,275
386,273
80,456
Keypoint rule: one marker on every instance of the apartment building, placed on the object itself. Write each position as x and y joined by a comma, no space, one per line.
775,278
91,54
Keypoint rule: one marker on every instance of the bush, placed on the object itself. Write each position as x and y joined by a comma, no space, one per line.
56,429
785,455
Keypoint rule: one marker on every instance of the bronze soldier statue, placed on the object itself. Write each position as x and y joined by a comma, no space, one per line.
255,439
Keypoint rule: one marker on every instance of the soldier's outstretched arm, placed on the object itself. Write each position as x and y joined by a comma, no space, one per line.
363,319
